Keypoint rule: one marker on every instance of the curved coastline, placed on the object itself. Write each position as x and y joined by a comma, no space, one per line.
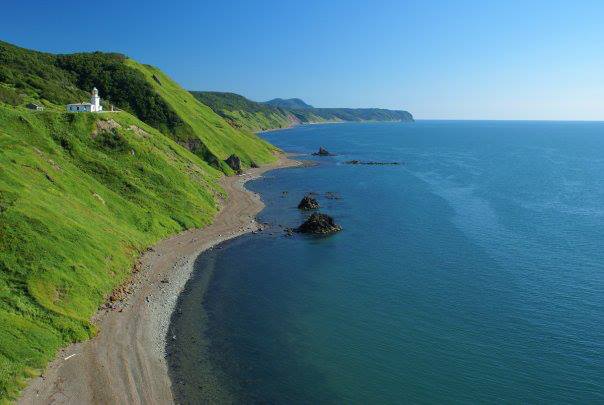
126,362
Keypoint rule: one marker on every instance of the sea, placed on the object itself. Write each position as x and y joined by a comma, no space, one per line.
471,272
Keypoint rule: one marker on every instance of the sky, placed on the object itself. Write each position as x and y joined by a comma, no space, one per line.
437,59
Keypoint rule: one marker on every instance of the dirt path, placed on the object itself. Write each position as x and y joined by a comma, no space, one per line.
125,363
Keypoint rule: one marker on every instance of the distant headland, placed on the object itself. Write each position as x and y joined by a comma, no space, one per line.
279,113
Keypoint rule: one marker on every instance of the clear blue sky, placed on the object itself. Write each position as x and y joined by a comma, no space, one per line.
438,59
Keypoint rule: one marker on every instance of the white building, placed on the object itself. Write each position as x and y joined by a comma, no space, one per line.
93,106
34,106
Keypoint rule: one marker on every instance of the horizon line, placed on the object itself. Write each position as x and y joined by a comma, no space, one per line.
509,119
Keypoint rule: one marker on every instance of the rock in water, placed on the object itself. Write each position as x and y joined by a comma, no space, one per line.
322,152
308,203
234,163
319,224
360,162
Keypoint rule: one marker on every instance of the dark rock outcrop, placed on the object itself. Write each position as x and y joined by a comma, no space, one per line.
361,162
198,148
308,203
254,165
234,163
191,144
323,152
319,224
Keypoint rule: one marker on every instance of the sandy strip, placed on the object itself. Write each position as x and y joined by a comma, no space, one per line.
125,363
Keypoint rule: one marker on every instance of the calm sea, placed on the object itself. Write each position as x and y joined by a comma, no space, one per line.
473,272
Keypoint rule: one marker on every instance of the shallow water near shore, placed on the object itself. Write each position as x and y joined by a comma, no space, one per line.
473,272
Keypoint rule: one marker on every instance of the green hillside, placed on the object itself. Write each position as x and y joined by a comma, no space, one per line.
55,80
283,113
82,195
245,114
289,103
307,113
351,115
218,138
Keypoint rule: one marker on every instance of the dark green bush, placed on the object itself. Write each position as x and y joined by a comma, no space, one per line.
10,96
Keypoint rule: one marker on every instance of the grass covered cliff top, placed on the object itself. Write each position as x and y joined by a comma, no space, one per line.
83,194
144,91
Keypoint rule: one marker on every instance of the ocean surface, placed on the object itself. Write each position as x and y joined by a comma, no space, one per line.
473,272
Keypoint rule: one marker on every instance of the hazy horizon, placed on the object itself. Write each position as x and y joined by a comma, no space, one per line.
438,60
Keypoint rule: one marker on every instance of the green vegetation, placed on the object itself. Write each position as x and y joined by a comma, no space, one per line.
123,87
212,137
82,195
279,113
289,104
142,90
37,75
245,114
350,115
80,198
307,113
10,96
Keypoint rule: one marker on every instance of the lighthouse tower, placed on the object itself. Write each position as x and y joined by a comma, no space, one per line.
95,101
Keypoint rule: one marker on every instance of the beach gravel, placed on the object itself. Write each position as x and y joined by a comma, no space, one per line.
126,362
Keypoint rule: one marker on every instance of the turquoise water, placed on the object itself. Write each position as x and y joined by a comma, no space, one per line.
472,273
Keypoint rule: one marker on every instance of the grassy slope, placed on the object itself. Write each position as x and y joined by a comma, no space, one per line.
79,204
359,114
75,212
289,103
217,135
142,90
279,113
245,114
307,113
36,75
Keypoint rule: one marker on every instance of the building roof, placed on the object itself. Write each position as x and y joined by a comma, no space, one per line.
79,104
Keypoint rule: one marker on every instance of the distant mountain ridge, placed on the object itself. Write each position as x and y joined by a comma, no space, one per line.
278,113
289,103
242,113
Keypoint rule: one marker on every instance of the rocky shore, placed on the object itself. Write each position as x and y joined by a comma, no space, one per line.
308,202
126,362
319,224
323,152
371,163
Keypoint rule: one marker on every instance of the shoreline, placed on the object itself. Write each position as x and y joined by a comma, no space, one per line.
303,124
328,122
126,362
197,374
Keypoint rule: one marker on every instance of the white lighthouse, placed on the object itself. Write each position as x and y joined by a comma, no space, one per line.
93,106
95,100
